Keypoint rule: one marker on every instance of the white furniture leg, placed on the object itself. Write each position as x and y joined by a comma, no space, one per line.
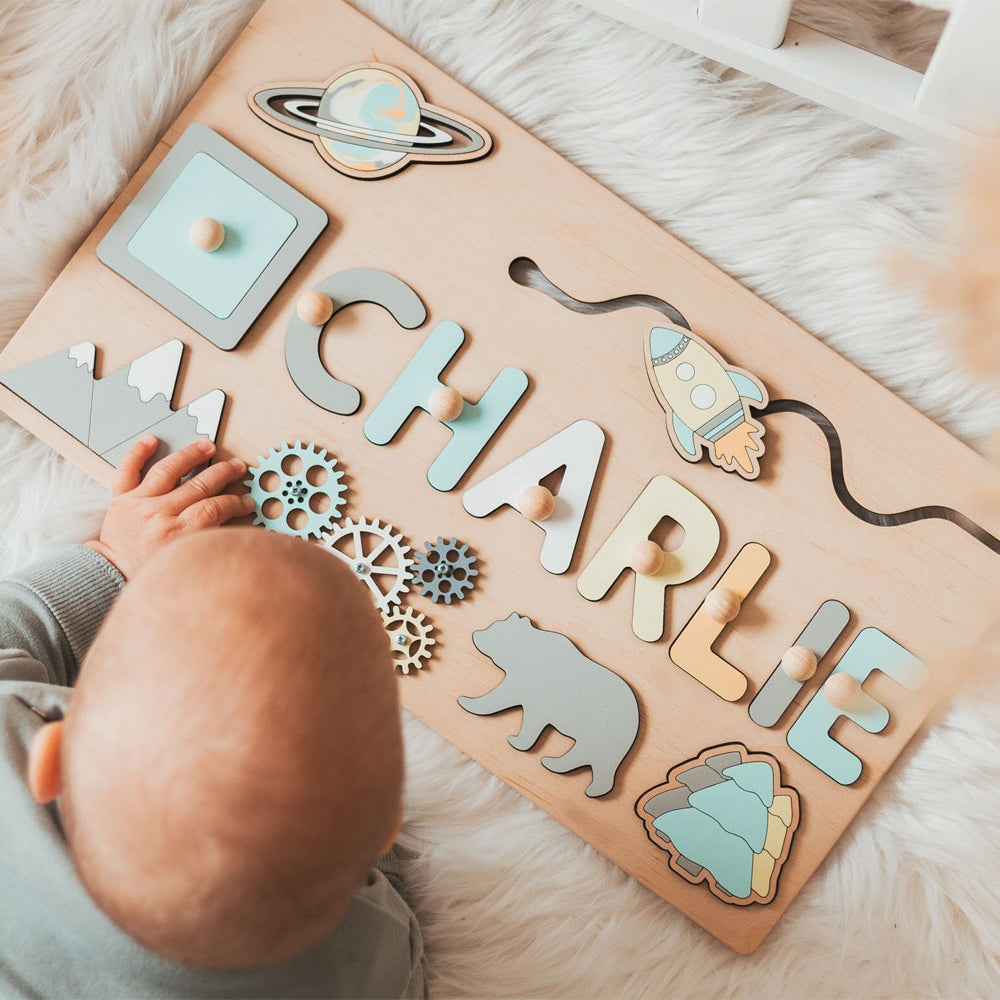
762,22
962,82
959,100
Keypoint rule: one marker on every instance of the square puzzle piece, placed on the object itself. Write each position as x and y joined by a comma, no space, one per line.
268,226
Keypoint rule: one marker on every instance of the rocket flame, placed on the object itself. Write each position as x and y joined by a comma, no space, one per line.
742,448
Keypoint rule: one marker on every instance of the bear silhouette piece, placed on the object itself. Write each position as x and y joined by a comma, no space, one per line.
556,685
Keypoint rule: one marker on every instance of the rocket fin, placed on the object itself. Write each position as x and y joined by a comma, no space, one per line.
685,436
746,387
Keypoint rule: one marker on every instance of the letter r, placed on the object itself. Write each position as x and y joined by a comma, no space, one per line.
662,497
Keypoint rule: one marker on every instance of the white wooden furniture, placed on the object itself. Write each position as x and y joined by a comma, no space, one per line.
957,99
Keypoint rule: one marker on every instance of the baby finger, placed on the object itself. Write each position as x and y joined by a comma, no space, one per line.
207,483
168,472
214,511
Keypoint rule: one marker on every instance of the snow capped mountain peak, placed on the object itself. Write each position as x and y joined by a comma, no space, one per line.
207,412
155,373
84,355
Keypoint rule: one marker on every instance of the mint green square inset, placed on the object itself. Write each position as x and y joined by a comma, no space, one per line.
256,229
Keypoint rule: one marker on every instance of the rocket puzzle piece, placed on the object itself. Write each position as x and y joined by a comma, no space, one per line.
707,401
109,415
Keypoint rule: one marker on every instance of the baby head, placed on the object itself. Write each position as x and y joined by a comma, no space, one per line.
231,764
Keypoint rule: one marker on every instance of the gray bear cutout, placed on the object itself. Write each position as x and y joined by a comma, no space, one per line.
556,685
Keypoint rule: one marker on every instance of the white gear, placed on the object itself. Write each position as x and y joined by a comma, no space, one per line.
363,545
411,636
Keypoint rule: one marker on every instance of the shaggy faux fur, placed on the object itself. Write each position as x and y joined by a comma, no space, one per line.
799,203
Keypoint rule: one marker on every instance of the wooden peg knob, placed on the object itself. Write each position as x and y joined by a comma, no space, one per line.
314,307
647,558
722,604
207,234
446,404
536,503
799,663
842,691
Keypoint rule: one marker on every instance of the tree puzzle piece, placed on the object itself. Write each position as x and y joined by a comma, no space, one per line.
578,448
662,497
726,820
109,415
474,425
810,736
557,685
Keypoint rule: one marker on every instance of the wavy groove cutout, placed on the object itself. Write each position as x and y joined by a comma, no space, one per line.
524,271
853,506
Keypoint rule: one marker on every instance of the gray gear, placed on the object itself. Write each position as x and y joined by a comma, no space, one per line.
446,570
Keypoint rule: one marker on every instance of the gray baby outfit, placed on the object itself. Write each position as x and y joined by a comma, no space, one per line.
54,941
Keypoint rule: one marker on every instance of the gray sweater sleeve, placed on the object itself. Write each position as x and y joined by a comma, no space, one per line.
50,613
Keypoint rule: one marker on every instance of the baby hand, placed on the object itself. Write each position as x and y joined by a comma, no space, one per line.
146,513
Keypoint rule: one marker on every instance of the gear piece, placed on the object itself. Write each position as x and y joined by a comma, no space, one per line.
446,570
364,546
411,636
282,487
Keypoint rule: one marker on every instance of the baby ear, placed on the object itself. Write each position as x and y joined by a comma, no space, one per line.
45,763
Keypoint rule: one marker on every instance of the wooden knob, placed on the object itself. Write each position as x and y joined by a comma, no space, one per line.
647,558
722,604
799,663
446,404
207,234
536,503
314,307
842,691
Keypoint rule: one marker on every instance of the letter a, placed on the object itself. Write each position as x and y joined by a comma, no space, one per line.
578,448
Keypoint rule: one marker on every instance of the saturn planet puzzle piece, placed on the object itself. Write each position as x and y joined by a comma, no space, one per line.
370,121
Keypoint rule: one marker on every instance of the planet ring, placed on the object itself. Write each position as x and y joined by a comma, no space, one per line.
296,106
287,107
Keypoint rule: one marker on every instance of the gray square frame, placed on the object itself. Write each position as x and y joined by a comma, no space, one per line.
113,250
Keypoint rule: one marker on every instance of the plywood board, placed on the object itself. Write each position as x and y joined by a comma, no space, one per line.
451,231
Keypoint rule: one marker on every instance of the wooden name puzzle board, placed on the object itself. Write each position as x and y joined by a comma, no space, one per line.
703,646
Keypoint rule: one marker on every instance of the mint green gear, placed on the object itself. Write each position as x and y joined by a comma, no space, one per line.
295,492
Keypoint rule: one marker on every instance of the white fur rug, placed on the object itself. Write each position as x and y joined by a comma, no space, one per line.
796,201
